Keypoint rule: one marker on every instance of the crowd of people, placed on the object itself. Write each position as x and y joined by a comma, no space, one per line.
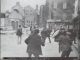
34,42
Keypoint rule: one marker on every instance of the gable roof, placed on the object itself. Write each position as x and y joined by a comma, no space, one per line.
19,8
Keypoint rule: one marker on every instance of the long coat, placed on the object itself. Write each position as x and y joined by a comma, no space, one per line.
19,32
34,45
64,43
48,32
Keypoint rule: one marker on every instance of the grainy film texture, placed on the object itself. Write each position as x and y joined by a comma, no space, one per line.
40,28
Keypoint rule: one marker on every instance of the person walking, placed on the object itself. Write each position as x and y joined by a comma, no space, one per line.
31,29
72,35
34,43
65,44
19,34
43,35
48,32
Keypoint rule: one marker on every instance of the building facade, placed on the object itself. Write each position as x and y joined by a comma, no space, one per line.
41,9
37,16
60,10
15,17
29,16
7,22
44,12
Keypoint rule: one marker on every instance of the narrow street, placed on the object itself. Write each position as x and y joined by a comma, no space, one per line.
11,48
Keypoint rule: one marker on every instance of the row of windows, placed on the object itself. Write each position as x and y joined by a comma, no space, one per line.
29,21
29,13
64,5
28,10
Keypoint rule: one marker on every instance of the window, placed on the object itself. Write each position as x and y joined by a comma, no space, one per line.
27,21
64,5
31,22
30,13
55,5
26,13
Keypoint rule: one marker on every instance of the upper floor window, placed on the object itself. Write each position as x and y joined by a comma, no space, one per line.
27,21
55,5
64,5
30,13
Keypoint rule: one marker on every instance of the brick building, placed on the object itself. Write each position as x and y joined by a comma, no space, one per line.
29,16
60,10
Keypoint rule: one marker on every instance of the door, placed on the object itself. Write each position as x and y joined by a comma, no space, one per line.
13,25
16,25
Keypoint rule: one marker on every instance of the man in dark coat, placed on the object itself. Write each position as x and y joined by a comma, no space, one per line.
61,32
64,43
43,35
34,44
46,33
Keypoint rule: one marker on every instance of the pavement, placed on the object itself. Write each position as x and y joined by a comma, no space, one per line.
11,48
76,46
7,32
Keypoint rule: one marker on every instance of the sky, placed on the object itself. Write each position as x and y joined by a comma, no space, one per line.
8,4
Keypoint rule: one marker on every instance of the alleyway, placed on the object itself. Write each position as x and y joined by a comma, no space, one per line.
11,48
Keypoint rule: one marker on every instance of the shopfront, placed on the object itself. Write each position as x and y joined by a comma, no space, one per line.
55,24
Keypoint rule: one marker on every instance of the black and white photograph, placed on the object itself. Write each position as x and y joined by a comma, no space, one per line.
44,29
